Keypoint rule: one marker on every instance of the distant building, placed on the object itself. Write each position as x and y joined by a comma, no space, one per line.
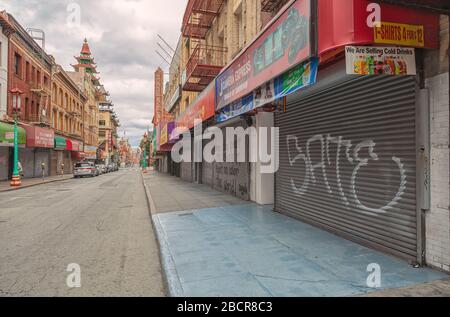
108,124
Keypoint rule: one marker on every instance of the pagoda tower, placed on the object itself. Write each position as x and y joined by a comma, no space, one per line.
86,62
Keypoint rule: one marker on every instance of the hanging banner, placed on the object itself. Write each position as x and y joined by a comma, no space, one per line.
164,138
368,60
236,109
201,109
282,45
297,78
90,152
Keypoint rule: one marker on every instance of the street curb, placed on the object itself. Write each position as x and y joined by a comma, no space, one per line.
33,185
170,275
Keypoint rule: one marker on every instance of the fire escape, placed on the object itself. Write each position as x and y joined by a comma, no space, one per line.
41,116
205,61
272,6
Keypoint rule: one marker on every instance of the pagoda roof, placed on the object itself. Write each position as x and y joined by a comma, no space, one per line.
86,49
87,58
93,68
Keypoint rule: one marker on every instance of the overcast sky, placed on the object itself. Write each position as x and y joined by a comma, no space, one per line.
123,37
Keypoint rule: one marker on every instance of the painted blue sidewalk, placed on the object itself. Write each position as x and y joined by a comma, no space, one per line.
249,251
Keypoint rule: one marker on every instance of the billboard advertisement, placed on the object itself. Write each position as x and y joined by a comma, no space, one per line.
299,77
283,44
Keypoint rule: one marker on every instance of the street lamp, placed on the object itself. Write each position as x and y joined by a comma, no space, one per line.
16,105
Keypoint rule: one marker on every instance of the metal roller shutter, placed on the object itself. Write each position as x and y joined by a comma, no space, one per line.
348,162
207,173
186,171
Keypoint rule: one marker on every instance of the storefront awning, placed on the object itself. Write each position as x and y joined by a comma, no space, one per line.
344,22
38,137
77,146
7,135
60,143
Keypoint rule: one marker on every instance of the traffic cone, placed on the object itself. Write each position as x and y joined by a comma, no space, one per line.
16,181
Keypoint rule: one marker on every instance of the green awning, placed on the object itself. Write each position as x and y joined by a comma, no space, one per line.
60,143
7,135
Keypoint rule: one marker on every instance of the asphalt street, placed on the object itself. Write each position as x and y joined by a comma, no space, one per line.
100,225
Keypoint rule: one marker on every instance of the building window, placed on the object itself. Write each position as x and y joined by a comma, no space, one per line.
102,123
27,72
17,64
102,134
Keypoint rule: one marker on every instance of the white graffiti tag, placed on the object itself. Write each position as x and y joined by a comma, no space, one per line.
353,157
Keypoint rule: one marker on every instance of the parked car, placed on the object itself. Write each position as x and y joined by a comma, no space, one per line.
110,168
99,169
85,169
103,168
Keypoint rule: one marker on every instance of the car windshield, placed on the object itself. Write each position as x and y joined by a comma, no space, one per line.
82,165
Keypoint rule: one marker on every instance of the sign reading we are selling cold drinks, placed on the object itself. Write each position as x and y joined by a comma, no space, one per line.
368,60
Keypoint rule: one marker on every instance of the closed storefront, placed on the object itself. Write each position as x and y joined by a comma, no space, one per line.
186,167
232,176
348,160
67,162
4,163
53,162
40,141
58,156
41,156
207,173
186,171
26,158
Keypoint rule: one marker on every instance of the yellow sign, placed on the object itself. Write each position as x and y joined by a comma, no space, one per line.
400,34
164,136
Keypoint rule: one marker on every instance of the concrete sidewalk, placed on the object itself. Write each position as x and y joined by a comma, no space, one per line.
5,186
214,245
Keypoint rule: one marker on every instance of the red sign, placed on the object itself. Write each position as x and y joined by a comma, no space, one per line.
39,137
202,109
69,145
77,146
340,25
283,44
